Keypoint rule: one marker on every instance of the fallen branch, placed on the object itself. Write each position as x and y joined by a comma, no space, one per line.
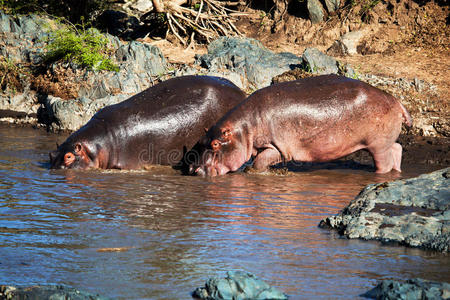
209,19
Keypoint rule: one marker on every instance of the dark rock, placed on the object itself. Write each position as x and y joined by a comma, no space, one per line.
117,23
248,58
54,292
317,62
315,10
237,285
411,289
413,212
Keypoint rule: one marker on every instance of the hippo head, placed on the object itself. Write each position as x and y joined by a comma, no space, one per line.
72,155
220,151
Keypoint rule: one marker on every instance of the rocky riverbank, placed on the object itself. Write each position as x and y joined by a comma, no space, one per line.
411,289
54,292
66,96
413,212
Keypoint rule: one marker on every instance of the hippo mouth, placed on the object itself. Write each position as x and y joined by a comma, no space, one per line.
209,171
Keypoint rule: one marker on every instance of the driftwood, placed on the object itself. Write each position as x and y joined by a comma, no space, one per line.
203,20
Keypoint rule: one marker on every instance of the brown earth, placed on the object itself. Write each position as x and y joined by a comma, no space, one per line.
402,39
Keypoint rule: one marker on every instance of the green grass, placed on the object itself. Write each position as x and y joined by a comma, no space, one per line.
85,47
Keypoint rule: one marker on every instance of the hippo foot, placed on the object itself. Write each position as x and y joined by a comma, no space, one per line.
388,160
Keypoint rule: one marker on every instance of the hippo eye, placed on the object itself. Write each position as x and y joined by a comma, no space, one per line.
69,158
226,132
215,145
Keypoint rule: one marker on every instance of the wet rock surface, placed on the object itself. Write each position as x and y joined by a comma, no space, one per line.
413,212
411,289
54,292
237,285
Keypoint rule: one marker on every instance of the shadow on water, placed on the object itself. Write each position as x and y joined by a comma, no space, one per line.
158,235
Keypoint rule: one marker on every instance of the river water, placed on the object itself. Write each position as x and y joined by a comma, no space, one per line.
159,235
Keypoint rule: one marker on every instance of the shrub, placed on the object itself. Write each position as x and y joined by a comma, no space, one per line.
85,47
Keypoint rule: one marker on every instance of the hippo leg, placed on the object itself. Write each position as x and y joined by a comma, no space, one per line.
266,158
387,159
397,155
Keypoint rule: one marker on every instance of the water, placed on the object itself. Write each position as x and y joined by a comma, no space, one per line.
159,235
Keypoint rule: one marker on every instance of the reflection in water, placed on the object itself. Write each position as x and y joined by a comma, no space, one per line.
175,232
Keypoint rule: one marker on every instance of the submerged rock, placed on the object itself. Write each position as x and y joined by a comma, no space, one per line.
237,285
54,292
413,212
411,289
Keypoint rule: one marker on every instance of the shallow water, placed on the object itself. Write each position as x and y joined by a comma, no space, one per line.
172,232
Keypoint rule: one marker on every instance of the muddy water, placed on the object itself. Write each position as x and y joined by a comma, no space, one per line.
159,235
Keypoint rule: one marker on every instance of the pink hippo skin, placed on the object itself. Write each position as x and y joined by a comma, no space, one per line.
316,119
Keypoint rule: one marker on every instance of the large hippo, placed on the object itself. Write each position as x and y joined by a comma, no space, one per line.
152,127
315,119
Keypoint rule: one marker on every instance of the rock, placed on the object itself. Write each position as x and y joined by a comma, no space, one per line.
411,289
315,10
332,5
413,212
139,58
54,292
72,114
25,103
141,6
5,22
117,23
237,285
248,58
347,44
317,62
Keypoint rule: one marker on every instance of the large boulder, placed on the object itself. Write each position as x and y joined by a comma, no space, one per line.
413,212
237,285
411,289
248,58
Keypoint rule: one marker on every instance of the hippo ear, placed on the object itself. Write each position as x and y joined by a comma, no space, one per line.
78,148
52,156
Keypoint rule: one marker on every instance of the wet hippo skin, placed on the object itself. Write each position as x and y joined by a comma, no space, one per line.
315,119
152,127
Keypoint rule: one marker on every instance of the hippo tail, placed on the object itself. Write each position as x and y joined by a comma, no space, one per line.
406,116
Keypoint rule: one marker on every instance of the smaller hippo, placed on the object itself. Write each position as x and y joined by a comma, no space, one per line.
315,119
155,126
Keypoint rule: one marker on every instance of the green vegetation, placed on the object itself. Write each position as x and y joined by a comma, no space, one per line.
85,47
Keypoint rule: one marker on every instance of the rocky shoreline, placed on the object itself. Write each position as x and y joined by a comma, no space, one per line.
67,105
414,212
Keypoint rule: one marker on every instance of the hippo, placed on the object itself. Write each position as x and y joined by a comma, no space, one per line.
316,119
155,126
